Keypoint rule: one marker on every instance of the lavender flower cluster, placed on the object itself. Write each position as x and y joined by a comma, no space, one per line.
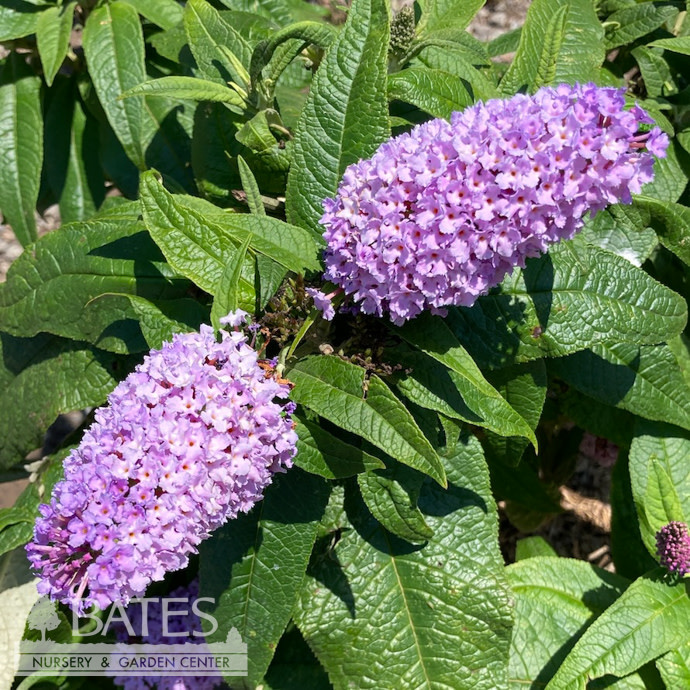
440,215
192,437
673,548
177,605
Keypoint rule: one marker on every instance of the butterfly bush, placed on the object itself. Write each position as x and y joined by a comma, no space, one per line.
441,214
188,440
673,547
179,620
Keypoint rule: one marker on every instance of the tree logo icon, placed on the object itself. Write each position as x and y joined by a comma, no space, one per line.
43,617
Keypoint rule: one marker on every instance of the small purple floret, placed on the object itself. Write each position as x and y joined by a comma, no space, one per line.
440,215
322,302
190,439
235,318
673,547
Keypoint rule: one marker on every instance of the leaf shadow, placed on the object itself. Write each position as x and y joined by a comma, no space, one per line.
170,152
60,118
538,277
325,567
437,502
496,328
23,7
576,370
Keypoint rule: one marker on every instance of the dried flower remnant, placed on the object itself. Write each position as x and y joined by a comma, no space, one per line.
440,215
599,449
190,439
673,548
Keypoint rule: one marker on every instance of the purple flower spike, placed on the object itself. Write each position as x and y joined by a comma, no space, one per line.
440,215
673,547
190,439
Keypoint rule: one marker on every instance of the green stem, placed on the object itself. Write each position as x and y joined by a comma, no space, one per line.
287,352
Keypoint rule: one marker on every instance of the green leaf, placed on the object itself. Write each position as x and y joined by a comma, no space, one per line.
214,149
533,547
114,49
391,496
251,26
656,72
598,418
670,178
80,376
335,389
53,288
674,667
658,450
229,296
644,380
680,44
433,386
221,54
379,613
214,157
161,319
434,91
431,335
458,41
623,230
630,555
533,313
647,620
193,246
280,11
578,56
551,48
457,61
298,36
322,453
53,31
251,188
164,13
504,43
630,23
522,486
345,117
190,88
172,45
71,152
680,346
523,386
197,238
264,556
556,599
167,139
21,154
441,14
256,133
671,222
18,19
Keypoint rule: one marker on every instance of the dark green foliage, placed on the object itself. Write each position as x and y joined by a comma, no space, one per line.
375,562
